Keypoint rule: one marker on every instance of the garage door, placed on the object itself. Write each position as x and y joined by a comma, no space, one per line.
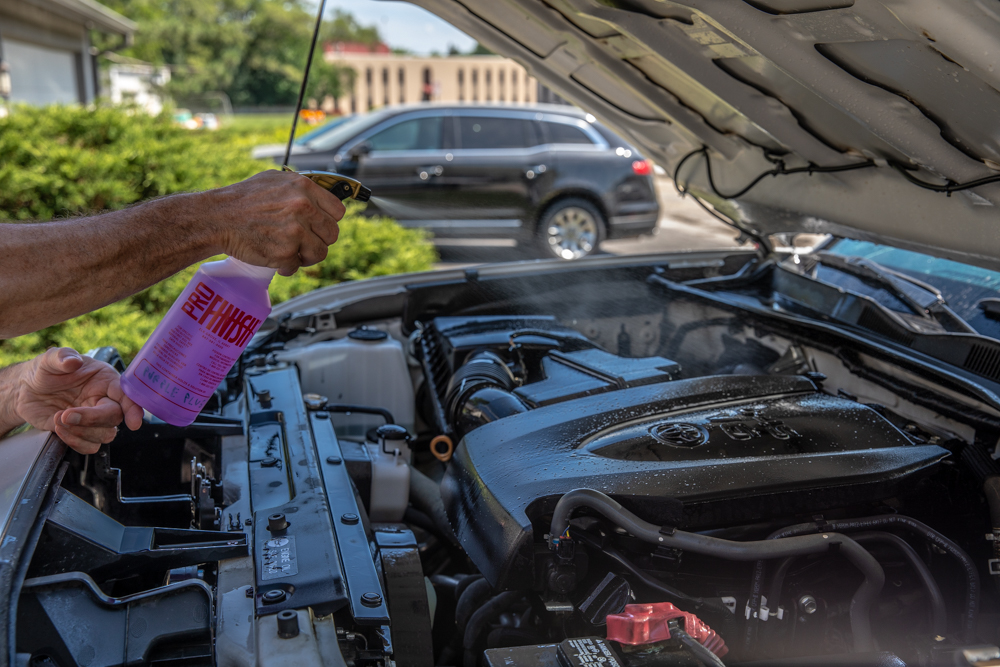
39,75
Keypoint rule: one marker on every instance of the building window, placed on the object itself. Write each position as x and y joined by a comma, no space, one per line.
461,85
500,86
368,89
475,85
428,89
402,86
489,85
385,86
513,86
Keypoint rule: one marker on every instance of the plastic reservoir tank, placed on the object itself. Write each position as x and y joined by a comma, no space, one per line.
367,367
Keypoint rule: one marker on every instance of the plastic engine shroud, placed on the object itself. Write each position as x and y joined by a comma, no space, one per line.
690,453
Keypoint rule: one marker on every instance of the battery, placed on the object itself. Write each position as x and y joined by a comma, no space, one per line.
577,652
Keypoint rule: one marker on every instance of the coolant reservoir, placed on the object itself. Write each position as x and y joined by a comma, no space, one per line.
367,367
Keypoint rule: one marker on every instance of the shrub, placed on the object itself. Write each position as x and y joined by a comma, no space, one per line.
66,160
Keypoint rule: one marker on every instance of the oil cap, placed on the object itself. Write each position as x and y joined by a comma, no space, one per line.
367,334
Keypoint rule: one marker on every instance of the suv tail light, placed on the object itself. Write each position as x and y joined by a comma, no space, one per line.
642,167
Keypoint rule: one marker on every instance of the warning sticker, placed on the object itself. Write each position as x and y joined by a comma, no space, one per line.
589,652
279,558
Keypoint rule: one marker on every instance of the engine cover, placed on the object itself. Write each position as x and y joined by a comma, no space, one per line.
689,453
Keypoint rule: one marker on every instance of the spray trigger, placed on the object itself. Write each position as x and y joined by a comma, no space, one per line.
342,187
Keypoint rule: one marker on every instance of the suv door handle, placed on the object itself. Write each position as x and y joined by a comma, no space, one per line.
531,172
426,172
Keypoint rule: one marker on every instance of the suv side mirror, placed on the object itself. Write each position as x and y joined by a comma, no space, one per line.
359,151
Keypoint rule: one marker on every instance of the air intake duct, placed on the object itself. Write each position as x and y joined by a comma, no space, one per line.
480,392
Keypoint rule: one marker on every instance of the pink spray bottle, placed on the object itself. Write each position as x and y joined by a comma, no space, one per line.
199,340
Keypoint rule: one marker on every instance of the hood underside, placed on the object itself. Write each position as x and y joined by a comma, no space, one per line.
886,86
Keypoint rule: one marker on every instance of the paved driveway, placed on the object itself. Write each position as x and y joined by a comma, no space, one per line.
683,226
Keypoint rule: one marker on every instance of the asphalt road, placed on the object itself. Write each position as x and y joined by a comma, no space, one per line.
683,226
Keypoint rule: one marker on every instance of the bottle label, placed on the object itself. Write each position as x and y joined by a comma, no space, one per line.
197,343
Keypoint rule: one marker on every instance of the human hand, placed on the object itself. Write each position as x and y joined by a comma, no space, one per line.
277,219
77,397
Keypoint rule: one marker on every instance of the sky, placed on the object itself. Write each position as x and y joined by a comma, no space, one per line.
406,26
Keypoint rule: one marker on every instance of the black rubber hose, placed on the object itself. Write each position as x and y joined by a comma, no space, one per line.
480,619
864,598
657,585
469,600
971,612
425,495
939,613
701,653
465,582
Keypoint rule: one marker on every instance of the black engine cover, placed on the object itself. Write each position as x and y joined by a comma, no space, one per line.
690,453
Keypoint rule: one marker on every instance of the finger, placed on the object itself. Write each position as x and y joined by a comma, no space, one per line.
289,267
313,250
133,416
131,411
326,202
76,442
107,413
60,361
88,433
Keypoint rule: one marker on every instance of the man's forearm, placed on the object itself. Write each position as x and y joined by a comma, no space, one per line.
50,272
10,381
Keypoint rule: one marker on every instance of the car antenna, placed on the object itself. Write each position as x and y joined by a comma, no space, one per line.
302,89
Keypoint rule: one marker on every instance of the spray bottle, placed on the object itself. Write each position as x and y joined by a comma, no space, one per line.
207,328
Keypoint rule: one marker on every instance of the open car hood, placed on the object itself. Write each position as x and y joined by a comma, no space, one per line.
900,84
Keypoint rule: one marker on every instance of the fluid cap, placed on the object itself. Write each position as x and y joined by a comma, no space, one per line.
390,432
367,334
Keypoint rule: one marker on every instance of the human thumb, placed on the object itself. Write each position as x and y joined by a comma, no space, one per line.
60,360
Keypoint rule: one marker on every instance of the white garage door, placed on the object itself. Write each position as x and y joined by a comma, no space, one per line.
39,75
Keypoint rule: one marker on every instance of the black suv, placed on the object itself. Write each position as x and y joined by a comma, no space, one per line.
545,174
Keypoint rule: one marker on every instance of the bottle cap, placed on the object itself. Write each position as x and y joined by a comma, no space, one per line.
257,272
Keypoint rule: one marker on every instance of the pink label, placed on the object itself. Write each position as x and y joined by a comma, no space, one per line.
197,343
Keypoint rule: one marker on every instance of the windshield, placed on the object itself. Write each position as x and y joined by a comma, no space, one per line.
962,286
346,130
312,135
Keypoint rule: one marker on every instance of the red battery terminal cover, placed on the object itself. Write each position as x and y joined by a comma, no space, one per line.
647,624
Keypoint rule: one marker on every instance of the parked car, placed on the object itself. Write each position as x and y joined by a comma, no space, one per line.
549,175
781,455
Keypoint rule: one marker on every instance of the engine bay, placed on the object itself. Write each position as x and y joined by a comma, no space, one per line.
564,468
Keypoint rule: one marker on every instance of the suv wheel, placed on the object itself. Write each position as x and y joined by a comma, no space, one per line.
570,229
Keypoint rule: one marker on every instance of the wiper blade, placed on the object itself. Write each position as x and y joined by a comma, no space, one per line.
924,299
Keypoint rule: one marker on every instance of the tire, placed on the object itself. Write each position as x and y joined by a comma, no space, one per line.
570,228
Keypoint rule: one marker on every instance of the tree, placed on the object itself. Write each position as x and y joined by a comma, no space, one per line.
253,50
345,28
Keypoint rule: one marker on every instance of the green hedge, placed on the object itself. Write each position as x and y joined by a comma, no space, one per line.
61,161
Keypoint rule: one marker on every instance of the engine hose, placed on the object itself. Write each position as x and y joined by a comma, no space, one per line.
939,613
701,653
864,598
479,620
470,593
713,604
971,612
469,600
425,495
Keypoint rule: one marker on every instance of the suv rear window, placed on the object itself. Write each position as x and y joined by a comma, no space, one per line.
561,133
416,134
493,132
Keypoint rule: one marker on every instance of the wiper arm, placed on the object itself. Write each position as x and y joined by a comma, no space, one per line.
922,298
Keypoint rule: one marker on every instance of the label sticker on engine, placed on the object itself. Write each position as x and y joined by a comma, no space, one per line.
279,559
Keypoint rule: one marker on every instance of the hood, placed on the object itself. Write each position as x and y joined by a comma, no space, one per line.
870,105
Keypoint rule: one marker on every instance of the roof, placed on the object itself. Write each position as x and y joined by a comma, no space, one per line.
93,14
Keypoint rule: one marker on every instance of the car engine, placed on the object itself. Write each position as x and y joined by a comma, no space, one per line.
512,475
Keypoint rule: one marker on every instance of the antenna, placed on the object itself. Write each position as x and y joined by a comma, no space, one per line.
305,80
